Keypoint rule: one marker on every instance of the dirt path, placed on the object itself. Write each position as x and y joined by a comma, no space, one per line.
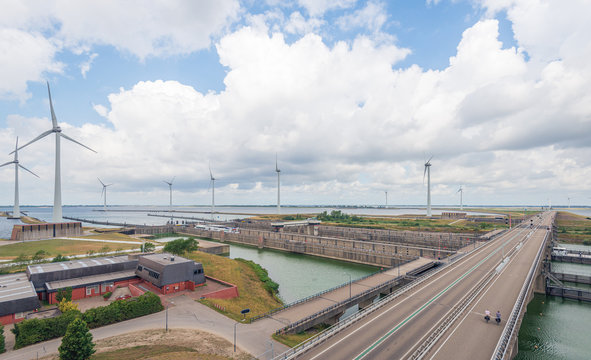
202,343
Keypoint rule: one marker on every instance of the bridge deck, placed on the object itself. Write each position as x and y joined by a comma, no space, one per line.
303,310
399,327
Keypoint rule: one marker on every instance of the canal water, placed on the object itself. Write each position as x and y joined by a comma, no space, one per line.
301,275
556,328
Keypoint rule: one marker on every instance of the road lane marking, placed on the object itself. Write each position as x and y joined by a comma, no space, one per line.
410,317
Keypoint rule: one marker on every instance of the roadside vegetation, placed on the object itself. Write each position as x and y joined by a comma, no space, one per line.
573,229
253,293
181,246
59,246
292,340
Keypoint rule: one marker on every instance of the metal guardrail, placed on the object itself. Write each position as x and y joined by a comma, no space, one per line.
311,297
324,335
503,343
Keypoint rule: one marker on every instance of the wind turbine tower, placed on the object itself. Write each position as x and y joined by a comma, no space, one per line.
57,191
428,173
278,186
461,191
212,185
16,212
386,198
104,193
170,189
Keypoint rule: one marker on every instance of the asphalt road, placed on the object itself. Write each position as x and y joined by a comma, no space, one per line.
398,328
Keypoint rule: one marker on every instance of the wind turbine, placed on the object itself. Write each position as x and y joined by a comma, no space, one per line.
461,191
170,188
212,185
278,186
386,198
16,212
568,202
57,191
428,173
104,192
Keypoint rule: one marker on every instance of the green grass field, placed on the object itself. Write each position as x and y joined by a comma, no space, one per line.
59,246
572,228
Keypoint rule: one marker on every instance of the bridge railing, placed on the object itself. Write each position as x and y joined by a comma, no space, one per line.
509,331
311,297
322,336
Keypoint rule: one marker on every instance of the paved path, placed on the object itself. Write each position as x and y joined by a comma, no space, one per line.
184,314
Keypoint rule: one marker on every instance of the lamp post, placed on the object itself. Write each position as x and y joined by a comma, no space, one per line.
350,280
167,304
235,336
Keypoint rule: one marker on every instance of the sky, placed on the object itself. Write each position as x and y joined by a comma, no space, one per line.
351,97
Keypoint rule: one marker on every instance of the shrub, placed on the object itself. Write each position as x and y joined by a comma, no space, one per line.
66,305
271,286
181,246
77,342
120,310
2,343
32,331
107,295
64,294
60,258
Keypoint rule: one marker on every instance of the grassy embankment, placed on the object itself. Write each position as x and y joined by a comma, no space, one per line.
573,229
60,246
253,293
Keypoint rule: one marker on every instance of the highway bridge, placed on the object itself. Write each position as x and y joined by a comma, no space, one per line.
441,316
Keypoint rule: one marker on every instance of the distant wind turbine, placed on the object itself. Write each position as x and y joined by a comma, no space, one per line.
170,188
278,186
428,173
568,202
57,193
16,212
212,185
386,198
461,191
104,193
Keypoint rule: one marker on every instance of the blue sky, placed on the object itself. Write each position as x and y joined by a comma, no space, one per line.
351,95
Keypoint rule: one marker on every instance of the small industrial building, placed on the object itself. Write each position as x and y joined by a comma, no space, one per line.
161,273
170,273
17,298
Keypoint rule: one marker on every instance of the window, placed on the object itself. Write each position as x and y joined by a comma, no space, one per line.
197,271
19,315
90,289
139,268
153,274
106,286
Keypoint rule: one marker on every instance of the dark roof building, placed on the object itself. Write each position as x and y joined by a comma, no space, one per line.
17,295
166,269
51,272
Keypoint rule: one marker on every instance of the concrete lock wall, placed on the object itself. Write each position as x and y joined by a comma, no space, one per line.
45,231
366,252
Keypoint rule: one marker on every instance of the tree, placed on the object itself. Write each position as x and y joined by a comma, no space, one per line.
77,343
64,294
149,247
39,255
2,344
181,246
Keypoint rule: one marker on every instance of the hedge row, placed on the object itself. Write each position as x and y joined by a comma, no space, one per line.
32,331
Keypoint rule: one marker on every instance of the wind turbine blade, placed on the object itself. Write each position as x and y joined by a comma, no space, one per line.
35,139
101,182
424,173
102,192
79,143
24,168
430,159
53,118
171,181
210,173
8,163
108,185
16,146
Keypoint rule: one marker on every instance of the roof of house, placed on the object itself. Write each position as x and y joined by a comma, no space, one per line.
90,280
75,264
17,294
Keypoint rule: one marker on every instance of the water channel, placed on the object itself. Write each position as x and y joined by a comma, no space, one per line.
556,328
